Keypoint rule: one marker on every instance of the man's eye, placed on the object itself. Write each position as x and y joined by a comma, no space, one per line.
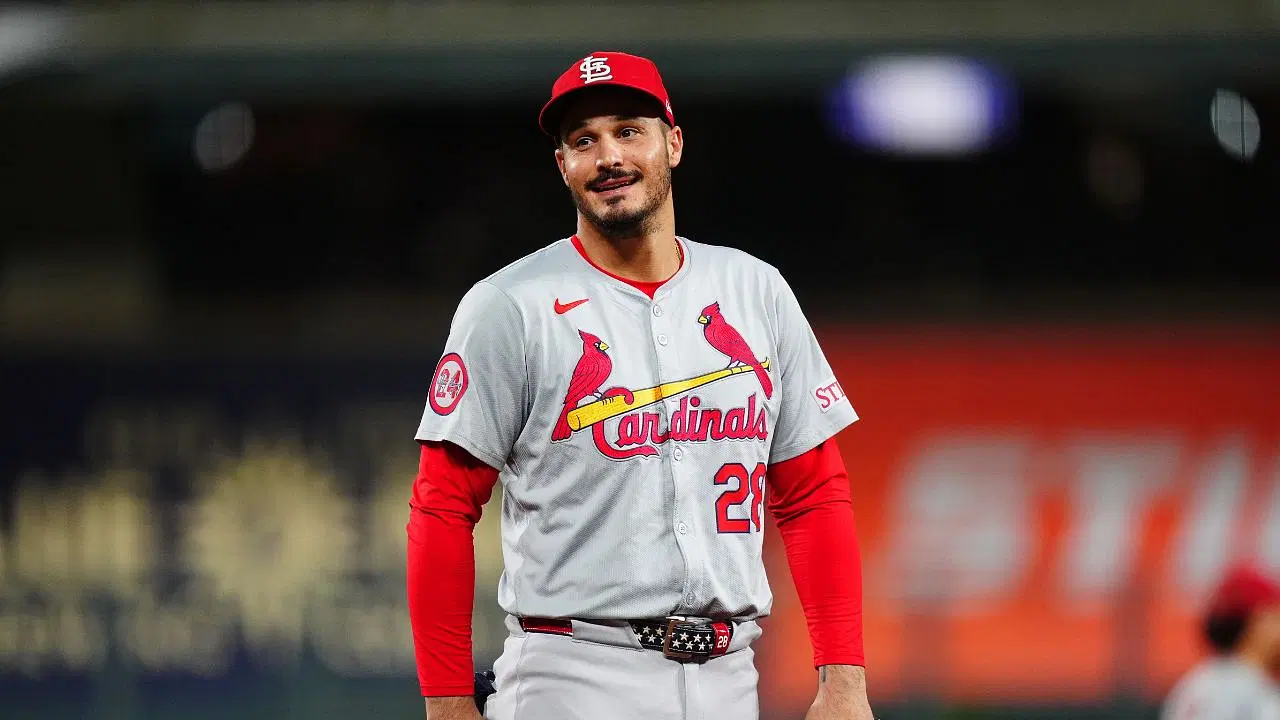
629,132
582,142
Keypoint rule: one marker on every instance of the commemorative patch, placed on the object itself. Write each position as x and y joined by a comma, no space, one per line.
449,384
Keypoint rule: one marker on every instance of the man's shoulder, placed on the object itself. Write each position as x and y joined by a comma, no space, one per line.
1187,691
546,262
1217,683
504,289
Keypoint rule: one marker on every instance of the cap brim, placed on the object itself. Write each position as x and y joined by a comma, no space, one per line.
553,112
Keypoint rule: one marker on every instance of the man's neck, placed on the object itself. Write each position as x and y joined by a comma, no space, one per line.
652,256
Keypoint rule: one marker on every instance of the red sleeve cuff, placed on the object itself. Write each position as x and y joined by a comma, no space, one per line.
449,690
811,503
448,496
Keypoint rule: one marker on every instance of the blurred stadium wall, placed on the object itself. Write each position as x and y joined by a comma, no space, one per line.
1037,239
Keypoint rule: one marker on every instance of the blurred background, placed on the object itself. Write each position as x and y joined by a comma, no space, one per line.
1038,241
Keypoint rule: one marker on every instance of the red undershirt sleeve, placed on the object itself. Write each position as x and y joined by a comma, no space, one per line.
811,505
449,493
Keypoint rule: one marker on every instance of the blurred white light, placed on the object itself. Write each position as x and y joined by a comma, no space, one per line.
29,35
223,136
1235,124
923,105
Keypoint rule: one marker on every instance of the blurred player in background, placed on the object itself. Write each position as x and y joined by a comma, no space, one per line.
1239,682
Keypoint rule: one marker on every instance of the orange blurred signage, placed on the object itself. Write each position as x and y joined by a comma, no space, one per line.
1042,516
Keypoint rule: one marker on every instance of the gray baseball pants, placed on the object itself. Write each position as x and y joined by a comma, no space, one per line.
602,673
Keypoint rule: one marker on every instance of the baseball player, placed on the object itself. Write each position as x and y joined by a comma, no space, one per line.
644,400
1238,682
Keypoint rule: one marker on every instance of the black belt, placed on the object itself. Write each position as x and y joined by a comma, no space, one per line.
679,639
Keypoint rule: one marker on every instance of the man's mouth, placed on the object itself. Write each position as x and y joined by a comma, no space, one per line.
601,186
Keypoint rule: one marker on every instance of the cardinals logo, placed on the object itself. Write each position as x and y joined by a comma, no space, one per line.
589,374
723,337
637,433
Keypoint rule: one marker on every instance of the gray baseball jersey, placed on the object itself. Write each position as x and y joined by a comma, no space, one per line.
633,435
1223,689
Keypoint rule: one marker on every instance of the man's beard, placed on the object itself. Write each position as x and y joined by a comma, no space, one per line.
623,225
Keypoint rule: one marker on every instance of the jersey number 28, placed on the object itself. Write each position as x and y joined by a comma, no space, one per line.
743,483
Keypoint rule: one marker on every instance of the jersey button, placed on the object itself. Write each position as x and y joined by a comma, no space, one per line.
657,311
682,528
677,453
690,598
662,339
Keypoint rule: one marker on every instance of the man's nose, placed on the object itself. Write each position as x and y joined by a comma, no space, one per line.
610,153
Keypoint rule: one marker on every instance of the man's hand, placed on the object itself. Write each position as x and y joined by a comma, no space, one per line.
452,708
842,694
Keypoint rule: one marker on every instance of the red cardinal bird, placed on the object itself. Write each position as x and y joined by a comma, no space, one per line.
723,337
589,374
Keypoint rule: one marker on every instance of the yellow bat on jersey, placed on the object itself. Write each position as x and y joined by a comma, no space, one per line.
610,407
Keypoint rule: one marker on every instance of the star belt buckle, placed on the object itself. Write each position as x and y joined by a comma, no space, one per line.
682,637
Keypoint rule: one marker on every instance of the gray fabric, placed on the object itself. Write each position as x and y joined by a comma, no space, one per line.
585,533
1223,689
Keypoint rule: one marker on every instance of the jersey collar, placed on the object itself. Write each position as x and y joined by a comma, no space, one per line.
651,289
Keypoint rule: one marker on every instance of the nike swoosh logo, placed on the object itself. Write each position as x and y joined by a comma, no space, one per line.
562,308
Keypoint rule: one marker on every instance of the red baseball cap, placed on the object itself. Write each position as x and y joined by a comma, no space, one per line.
1242,590
605,68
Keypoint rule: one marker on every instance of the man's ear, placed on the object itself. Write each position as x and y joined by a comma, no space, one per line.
675,145
560,163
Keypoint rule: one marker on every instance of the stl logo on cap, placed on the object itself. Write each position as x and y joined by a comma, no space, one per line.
605,68
594,69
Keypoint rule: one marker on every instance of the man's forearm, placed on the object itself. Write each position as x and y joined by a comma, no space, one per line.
814,514
449,493
451,708
822,552
843,678
842,694
441,581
